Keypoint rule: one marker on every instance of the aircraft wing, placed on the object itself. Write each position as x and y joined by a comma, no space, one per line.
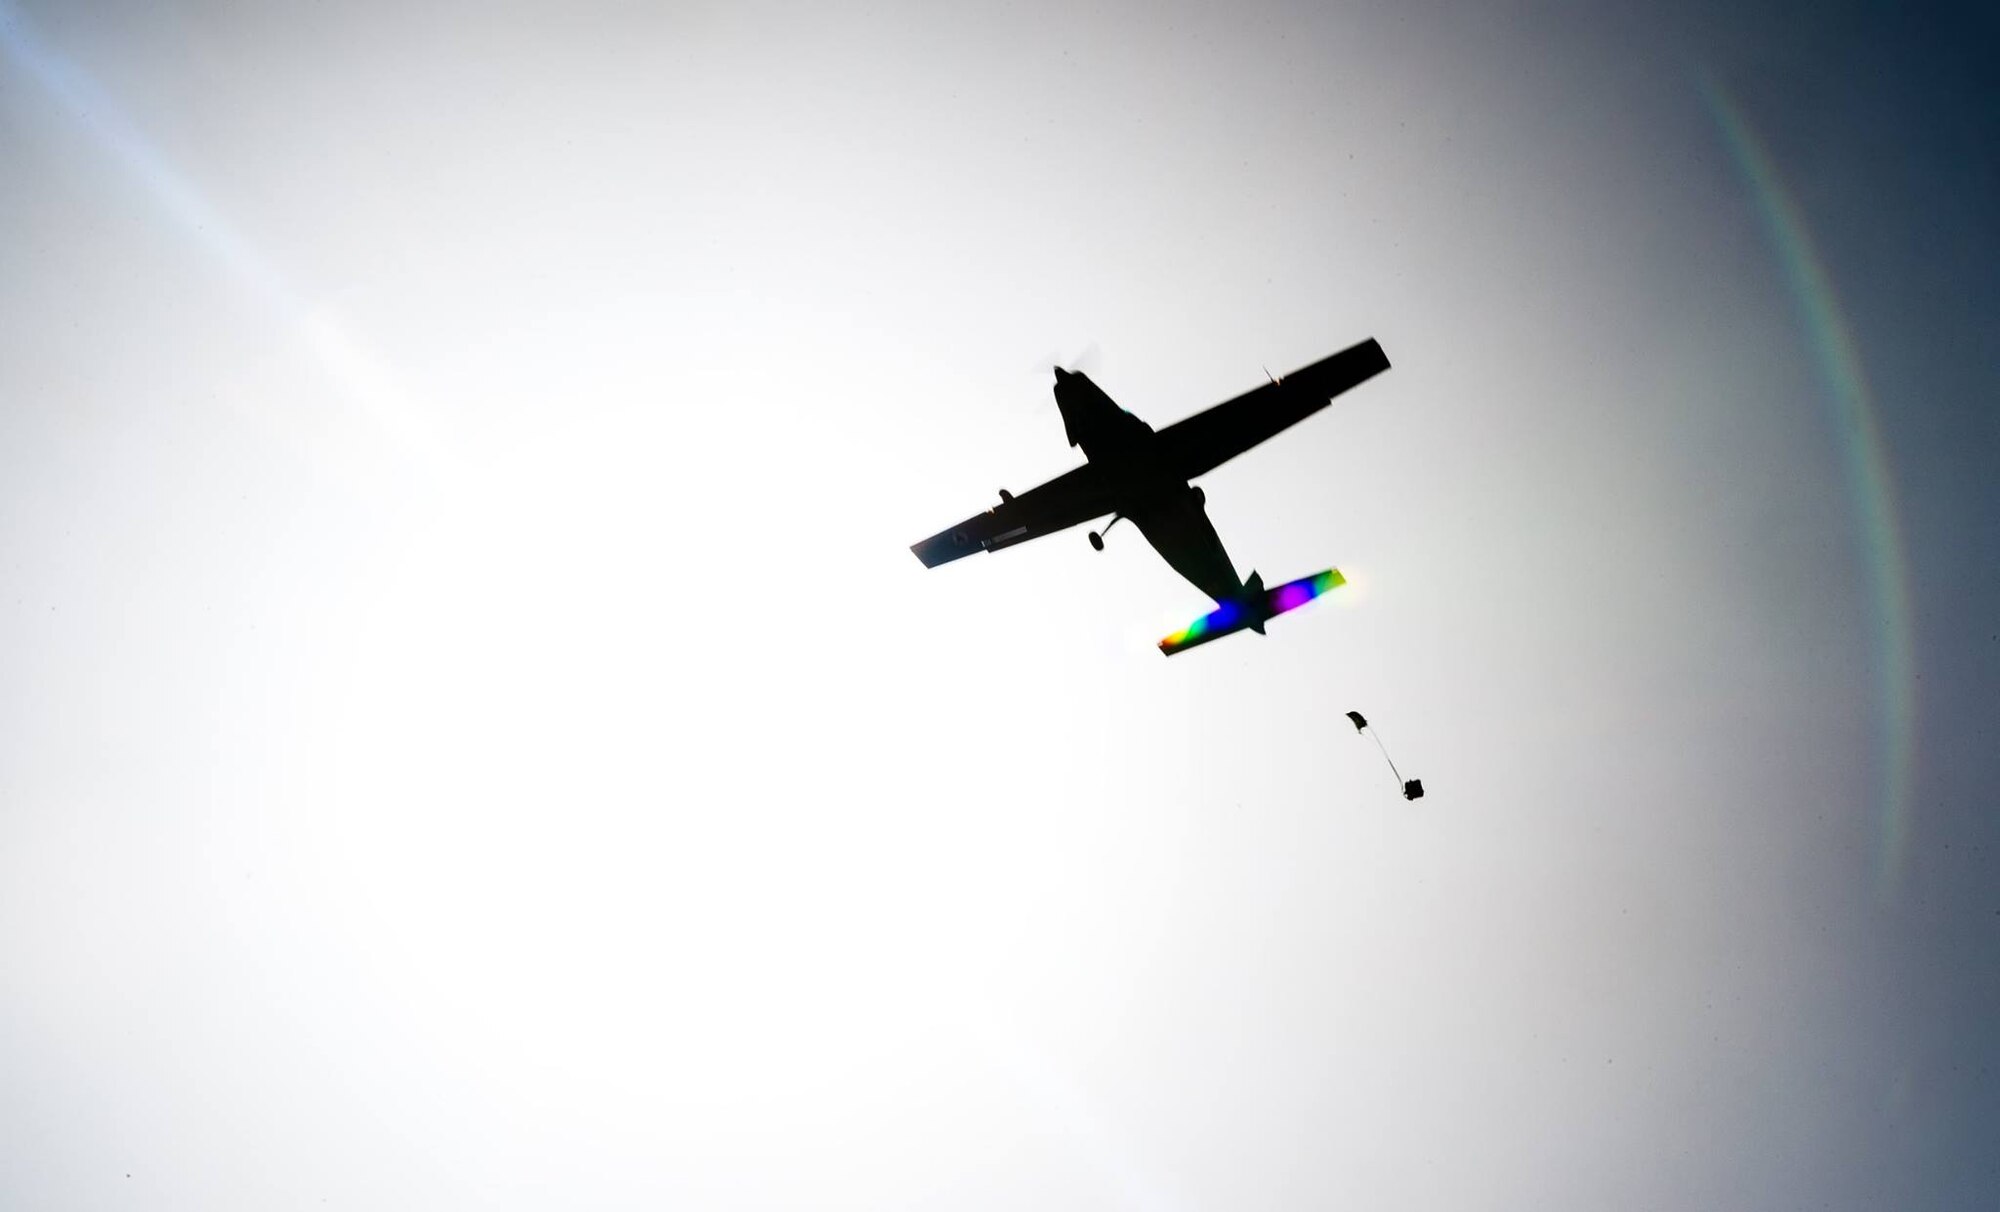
1207,440
1072,497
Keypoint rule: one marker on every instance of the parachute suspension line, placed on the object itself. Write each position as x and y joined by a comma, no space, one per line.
1385,757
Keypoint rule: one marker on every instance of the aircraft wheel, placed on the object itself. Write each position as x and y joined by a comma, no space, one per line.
1096,541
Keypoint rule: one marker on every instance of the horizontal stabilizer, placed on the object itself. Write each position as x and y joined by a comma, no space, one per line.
1252,610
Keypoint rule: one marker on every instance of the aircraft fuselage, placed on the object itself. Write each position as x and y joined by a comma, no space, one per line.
1167,510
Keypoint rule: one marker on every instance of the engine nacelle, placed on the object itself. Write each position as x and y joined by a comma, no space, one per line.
1006,498
1200,497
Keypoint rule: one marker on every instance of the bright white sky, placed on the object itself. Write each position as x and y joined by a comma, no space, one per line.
472,733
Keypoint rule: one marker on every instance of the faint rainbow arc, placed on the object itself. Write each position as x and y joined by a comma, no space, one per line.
1865,460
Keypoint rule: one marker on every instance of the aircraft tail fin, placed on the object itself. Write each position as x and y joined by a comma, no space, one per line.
1256,607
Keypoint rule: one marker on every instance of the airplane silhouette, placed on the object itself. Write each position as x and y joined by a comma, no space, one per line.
1137,473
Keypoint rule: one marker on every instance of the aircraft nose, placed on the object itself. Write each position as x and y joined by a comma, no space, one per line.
1061,374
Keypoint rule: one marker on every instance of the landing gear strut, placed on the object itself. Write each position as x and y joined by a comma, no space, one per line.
1097,537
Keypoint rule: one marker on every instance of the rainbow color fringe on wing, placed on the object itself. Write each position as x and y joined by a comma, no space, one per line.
1252,610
